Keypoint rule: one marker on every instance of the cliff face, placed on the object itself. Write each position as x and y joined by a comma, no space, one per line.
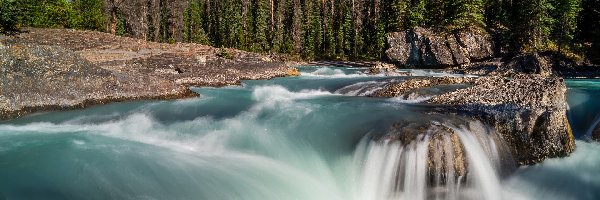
424,48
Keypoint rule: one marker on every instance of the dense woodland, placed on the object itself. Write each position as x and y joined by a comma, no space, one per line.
321,29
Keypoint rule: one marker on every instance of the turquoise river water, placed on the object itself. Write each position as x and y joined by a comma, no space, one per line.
301,138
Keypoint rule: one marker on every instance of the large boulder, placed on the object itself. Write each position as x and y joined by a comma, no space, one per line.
425,48
448,158
528,111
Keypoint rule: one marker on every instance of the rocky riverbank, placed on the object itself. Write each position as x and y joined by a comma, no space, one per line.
474,52
53,69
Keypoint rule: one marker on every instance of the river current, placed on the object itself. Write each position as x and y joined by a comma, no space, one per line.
306,137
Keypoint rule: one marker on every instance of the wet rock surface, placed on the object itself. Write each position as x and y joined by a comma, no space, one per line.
596,133
527,111
446,154
395,89
425,48
50,69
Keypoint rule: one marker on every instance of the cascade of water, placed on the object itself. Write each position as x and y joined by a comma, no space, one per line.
382,168
460,165
361,88
591,129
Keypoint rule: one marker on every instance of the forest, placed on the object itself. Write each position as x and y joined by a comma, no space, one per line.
322,29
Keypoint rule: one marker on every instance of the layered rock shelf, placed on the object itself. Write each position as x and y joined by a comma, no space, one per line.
52,69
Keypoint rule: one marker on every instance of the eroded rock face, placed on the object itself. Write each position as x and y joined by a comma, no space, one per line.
447,157
529,112
424,48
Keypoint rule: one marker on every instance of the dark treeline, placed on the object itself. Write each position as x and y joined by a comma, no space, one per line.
325,29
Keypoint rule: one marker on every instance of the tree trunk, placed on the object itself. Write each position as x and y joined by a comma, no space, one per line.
113,22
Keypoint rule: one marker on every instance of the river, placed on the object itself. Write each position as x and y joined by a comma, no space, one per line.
305,137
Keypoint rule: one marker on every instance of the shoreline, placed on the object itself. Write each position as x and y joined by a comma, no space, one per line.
60,69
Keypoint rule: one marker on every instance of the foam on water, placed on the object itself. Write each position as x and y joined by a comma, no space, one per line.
285,144
391,170
328,72
361,88
432,73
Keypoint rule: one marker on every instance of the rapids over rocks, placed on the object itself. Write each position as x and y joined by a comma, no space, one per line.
316,136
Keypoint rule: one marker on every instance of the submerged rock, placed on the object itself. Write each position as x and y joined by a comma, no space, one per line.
425,48
382,68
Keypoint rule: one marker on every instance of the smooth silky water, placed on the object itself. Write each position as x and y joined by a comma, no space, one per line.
306,137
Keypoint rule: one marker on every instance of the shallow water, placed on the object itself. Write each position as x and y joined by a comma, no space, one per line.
289,138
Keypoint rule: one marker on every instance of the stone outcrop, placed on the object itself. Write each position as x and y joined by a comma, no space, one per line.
425,48
445,151
395,89
528,111
381,68
52,69
446,156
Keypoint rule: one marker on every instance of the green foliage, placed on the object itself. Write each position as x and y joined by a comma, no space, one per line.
121,26
9,16
81,14
466,14
223,53
566,14
530,25
328,29
259,13
416,14
193,25
47,14
89,15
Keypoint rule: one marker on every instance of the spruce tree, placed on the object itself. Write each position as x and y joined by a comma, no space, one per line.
465,14
530,25
193,28
566,14
416,14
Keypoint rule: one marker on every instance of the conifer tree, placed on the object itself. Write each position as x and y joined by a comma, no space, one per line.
193,29
416,14
465,13
530,25
566,13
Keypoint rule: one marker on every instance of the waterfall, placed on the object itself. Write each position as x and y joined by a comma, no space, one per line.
430,167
